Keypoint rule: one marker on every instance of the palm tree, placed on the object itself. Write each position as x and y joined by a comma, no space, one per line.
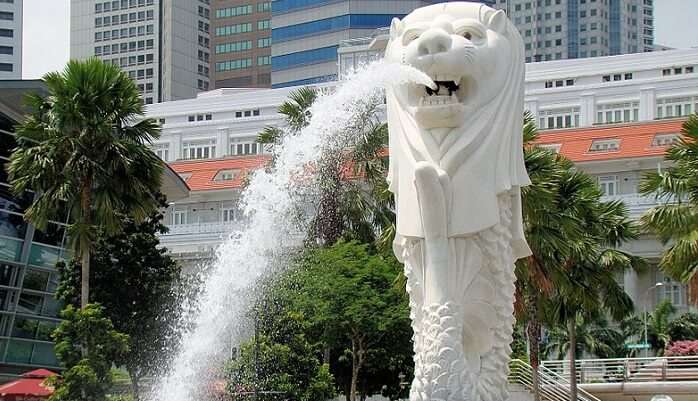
572,270
658,324
83,150
676,220
592,337
354,199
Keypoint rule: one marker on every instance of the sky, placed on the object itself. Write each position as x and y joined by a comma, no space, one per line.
47,31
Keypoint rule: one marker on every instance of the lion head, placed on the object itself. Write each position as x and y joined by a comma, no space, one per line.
467,49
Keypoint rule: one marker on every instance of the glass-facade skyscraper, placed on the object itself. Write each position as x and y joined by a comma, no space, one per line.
562,29
306,34
28,278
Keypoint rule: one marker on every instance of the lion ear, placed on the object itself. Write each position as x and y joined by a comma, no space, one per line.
498,21
396,28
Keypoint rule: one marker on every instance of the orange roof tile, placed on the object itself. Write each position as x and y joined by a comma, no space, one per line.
203,172
635,140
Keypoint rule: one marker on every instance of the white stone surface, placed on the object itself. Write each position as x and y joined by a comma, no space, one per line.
456,169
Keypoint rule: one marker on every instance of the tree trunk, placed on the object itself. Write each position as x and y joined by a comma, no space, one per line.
572,333
84,244
533,333
357,360
85,278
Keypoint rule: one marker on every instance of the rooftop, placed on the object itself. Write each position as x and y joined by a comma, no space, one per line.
635,140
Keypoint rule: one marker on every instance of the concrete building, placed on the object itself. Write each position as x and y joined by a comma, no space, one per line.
241,44
587,92
10,39
561,29
164,45
616,104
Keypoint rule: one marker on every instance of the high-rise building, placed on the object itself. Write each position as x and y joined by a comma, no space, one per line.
241,43
561,29
10,39
306,34
164,45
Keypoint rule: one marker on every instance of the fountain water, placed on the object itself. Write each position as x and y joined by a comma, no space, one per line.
270,203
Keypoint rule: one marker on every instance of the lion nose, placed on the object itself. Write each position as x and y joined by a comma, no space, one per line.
434,41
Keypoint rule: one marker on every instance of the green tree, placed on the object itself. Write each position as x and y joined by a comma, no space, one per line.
684,327
87,346
658,326
675,221
141,289
347,295
354,199
82,149
282,365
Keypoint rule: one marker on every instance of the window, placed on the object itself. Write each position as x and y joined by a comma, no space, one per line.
263,24
617,112
233,29
559,118
672,290
233,47
608,185
179,217
6,67
604,145
229,214
6,33
162,150
199,149
665,139
264,60
554,147
292,60
244,146
263,42
264,7
234,64
666,71
677,106
226,175
629,75
6,15
234,11
6,50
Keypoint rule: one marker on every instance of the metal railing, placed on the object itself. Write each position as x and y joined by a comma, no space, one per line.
637,204
552,386
203,228
679,368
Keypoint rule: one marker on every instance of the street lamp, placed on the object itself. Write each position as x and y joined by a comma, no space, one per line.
655,286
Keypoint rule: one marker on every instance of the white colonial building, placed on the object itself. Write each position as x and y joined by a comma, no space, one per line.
602,113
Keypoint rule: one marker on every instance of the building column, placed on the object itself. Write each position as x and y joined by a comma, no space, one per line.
222,142
648,104
587,109
631,284
176,146
532,106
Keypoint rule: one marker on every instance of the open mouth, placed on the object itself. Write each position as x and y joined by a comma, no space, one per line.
448,91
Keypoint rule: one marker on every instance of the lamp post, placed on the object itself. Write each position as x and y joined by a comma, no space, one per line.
645,296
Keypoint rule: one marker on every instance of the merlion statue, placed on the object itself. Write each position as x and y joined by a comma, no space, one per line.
456,169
